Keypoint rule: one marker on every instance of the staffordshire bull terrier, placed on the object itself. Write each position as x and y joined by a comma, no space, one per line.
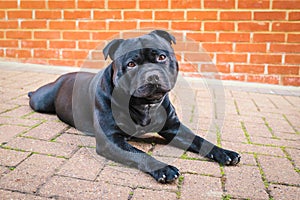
125,100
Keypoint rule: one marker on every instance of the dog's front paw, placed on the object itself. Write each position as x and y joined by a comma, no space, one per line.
225,157
166,174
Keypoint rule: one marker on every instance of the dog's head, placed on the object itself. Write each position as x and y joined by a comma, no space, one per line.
145,67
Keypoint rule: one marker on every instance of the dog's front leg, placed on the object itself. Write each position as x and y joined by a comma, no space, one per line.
182,137
116,148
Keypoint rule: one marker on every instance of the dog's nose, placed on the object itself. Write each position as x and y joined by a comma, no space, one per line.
153,78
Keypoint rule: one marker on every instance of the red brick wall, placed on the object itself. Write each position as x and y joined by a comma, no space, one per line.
248,40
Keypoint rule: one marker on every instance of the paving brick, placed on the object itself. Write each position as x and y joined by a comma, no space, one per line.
254,129
247,159
279,170
7,132
283,192
19,121
3,170
233,134
17,195
78,140
295,154
44,147
71,188
275,142
250,148
30,174
18,112
132,177
12,158
43,116
153,195
167,150
245,182
201,187
47,130
84,164
198,167
5,107
280,125
287,136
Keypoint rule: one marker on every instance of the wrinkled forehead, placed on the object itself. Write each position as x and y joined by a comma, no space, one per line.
145,41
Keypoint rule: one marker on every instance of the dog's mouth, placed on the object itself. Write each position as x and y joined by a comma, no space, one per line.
151,92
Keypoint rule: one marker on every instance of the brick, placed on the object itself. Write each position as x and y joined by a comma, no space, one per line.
289,4
76,35
47,14
74,54
9,43
2,14
263,15
33,44
103,35
229,57
62,44
272,167
198,167
18,34
222,4
87,45
255,4
268,37
122,25
196,26
218,26
47,130
231,15
77,14
18,195
54,4
107,15
245,182
286,26
33,4
86,159
269,79
294,16
252,69
188,67
9,24
18,53
202,37
140,193
92,25
8,132
137,14
175,4
28,176
291,80
70,188
62,62
289,48
90,4
250,47
47,35
197,57
148,4
253,26
39,53
292,59
8,4
284,192
265,59
169,15
217,47
234,37
62,25
133,177
19,14
202,15
12,158
201,187
121,4
36,24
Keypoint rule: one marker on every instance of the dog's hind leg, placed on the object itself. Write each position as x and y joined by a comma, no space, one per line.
42,100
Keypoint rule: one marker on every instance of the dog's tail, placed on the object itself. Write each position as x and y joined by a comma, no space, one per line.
30,94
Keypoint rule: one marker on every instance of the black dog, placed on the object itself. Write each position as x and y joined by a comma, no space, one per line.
128,98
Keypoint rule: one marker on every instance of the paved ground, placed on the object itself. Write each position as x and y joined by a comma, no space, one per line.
41,157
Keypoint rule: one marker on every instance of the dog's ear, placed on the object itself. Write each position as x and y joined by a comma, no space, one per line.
111,47
164,34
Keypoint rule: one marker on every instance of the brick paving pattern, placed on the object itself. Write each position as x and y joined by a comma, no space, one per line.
43,158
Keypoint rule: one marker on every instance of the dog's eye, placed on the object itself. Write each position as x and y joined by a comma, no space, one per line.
131,64
161,58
